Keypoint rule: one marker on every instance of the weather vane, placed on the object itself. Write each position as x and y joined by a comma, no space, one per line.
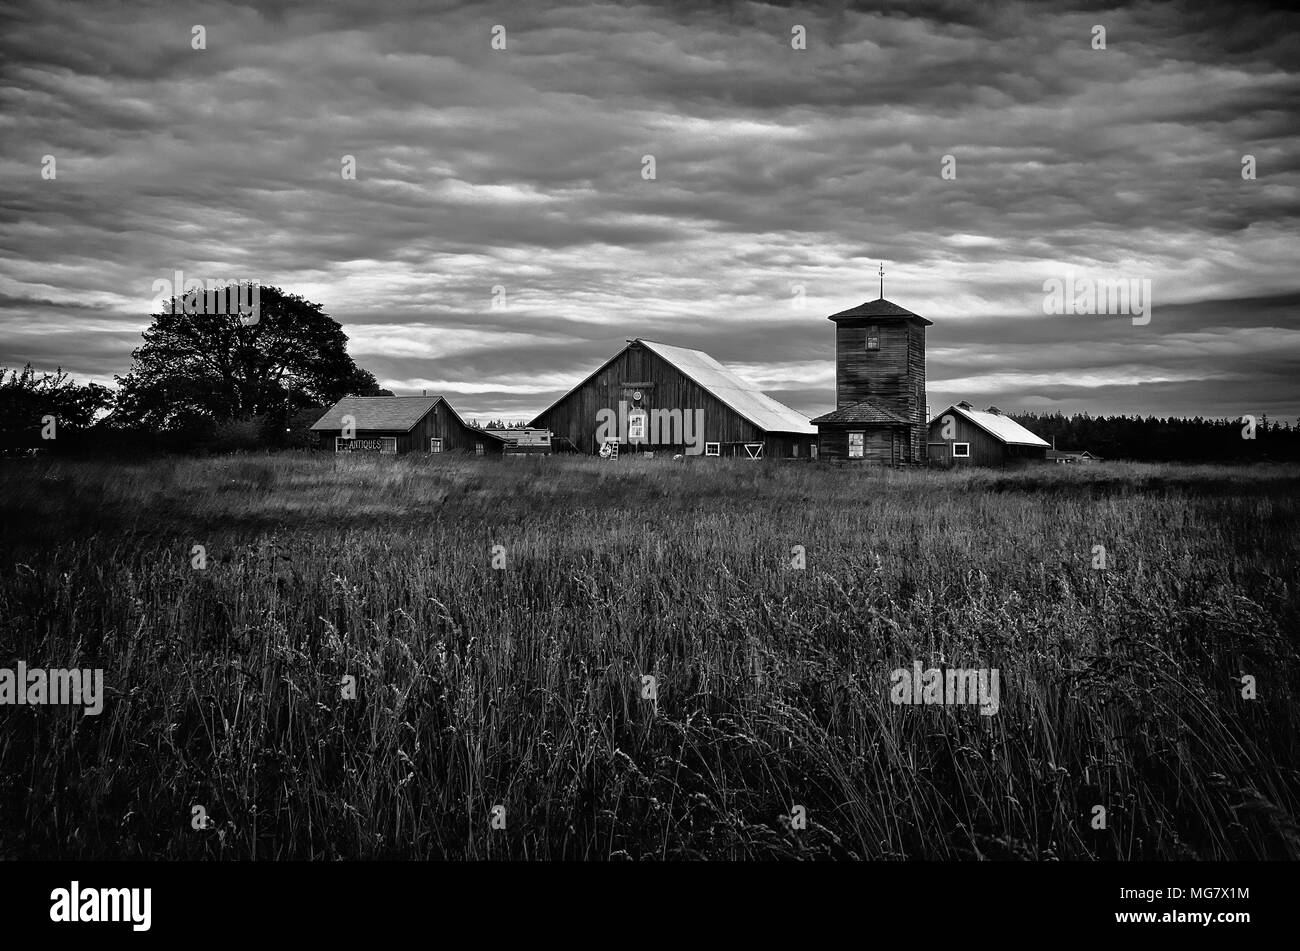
882,280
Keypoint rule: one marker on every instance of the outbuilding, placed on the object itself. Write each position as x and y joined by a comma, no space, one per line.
401,424
964,436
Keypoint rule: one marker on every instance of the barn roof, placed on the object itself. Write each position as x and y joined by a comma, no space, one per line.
392,413
1001,427
743,397
867,412
878,310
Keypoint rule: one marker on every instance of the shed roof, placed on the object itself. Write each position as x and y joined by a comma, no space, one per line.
866,412
1000,427
743,397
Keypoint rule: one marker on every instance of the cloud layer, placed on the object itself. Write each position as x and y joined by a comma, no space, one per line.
515,176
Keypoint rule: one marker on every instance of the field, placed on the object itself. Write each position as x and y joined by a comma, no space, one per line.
520,684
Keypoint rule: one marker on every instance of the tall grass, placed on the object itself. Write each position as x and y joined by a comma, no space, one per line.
523,688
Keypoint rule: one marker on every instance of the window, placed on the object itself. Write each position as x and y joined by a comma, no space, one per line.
478,449
856,442
794,450
636,424
713,448
873,338
435,444
812,451
961,450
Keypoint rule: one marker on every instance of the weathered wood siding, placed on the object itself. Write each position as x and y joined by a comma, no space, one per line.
880,444
440,421
985,450
893,375
662,386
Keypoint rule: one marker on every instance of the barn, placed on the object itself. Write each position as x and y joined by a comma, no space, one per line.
652,397
879,411
401,424
964,436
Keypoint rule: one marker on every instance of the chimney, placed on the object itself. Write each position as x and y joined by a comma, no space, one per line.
965,404
995,411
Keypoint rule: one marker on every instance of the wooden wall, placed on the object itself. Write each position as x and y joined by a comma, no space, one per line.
439,421
662,386
893,376
985,450
880,444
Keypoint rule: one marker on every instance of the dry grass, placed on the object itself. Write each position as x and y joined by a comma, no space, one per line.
521,687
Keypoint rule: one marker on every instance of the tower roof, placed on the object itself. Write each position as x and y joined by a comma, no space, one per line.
878,310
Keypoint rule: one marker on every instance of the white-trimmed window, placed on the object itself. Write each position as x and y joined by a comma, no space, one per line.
961,450
713,448
857,445
435,444
636,424
873,338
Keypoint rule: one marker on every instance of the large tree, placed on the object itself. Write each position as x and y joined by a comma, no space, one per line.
198,366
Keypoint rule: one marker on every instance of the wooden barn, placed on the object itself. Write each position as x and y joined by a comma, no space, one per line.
880,407
401,424
652,397
964,436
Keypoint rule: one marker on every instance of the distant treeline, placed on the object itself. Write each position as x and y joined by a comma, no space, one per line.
1168,439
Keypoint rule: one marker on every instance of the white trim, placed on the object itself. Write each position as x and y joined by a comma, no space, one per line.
438,440
754,449
713,449
961,455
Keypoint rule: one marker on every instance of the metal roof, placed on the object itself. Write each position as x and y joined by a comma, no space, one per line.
878,309
397,413
1000,427
745,398
866,412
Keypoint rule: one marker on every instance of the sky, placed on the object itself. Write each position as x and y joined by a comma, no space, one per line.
504,233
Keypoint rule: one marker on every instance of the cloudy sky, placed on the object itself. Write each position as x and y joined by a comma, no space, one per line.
782,177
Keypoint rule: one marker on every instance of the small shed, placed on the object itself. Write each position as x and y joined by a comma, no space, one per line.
401,424
964,436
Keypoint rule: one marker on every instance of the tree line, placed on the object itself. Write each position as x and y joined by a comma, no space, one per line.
1169,438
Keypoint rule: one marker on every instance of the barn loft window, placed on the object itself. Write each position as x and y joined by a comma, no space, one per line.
478,449
873,338
435,444
713,448
856,444
961,450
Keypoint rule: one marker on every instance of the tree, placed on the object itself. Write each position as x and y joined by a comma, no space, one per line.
200,368
28,402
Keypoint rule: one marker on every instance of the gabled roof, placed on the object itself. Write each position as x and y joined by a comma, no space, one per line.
1000,427
878,310
397,413
742,397
867,413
